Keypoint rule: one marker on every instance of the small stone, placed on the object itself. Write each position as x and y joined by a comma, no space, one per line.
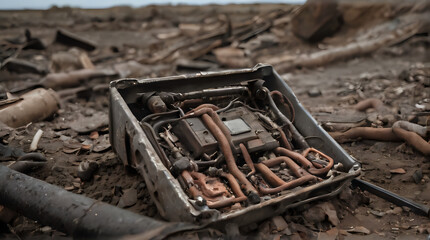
377,213
279,223
397,210
398,171
69,188
359,229
94,135
128,199
46,229
314,92
417,176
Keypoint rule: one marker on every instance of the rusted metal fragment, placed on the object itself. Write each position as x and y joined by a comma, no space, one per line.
72,39
24,66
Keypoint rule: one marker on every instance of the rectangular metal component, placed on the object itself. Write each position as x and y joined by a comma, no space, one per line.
134,147
256,138
237,126
197,137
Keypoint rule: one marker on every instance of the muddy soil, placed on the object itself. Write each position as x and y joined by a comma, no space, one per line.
123,34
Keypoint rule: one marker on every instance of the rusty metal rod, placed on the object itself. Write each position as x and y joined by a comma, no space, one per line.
77,215
247,158
353,134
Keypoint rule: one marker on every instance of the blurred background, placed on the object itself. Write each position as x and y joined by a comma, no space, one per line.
39,4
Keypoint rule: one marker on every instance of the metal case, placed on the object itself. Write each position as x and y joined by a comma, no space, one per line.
134,148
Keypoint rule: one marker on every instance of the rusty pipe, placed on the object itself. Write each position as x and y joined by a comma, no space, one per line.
214,117
306,164
77,215
284,140
414,140
291,184
353,134
296,169
368,103
247,158
319,171
206,105
229,158
190,183
269,176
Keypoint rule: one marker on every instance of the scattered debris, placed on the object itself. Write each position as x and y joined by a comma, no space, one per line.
86,170
24,66
35,105
398,171
72,39
359,230
91,123
128,198
36,139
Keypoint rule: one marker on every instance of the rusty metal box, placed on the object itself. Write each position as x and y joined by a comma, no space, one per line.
134,148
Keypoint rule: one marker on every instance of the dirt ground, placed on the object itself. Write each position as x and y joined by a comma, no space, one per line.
123,34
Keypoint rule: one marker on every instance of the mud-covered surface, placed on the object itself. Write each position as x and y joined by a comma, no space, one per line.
155,41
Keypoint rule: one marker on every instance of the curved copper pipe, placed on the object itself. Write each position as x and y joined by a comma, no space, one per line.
291,184
306,164
414,140
319,171
284,140
368,103
289,105
225,202
206,105
296,169
270,177
200,180
353,134
248,159
240,197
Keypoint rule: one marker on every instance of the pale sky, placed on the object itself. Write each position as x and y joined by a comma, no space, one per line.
44,4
